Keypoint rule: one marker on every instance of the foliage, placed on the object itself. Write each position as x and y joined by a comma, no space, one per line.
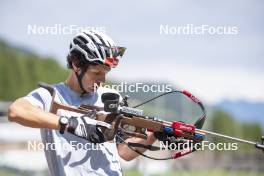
20,71
224,123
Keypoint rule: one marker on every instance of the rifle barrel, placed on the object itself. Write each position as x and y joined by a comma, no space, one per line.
226,137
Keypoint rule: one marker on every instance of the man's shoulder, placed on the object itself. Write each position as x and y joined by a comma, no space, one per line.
40,91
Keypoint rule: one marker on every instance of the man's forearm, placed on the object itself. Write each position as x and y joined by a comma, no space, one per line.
127,154
22,112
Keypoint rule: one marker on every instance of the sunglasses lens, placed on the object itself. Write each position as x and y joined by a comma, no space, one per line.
118,51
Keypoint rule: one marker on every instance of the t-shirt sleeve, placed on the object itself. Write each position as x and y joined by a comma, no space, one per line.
39,97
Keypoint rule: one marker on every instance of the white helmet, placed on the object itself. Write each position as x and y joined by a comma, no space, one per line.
97,47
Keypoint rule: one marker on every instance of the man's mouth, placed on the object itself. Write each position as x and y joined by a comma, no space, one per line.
95,86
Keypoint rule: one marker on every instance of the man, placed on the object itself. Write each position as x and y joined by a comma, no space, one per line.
92,55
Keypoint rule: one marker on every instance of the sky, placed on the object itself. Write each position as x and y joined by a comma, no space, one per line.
214,67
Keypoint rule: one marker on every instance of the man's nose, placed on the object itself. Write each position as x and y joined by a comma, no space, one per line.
101,79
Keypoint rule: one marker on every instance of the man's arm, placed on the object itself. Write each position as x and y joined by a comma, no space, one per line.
24,113
127,154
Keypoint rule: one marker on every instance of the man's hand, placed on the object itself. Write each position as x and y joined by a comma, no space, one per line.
87,128
151,137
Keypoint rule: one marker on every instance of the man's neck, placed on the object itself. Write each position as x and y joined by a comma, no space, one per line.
72,83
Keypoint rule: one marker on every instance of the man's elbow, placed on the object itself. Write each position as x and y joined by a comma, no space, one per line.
127,158
13,112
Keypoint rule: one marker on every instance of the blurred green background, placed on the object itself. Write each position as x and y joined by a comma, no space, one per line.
21,71
225,71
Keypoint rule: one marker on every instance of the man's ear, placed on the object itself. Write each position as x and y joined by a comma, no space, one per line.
75,69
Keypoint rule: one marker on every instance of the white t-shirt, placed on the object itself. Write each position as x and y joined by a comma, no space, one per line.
69,155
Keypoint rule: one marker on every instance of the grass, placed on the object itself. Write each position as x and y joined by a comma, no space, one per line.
199,173
174,173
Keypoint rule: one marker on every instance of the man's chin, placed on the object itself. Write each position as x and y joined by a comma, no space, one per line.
92,89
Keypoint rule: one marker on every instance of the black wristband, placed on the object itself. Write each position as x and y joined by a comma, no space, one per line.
63,122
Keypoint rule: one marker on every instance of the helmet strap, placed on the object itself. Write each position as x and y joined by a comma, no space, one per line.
79,78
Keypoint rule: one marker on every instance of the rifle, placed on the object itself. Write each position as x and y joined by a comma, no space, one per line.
131,122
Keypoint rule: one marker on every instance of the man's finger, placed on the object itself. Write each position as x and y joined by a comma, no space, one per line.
97,122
